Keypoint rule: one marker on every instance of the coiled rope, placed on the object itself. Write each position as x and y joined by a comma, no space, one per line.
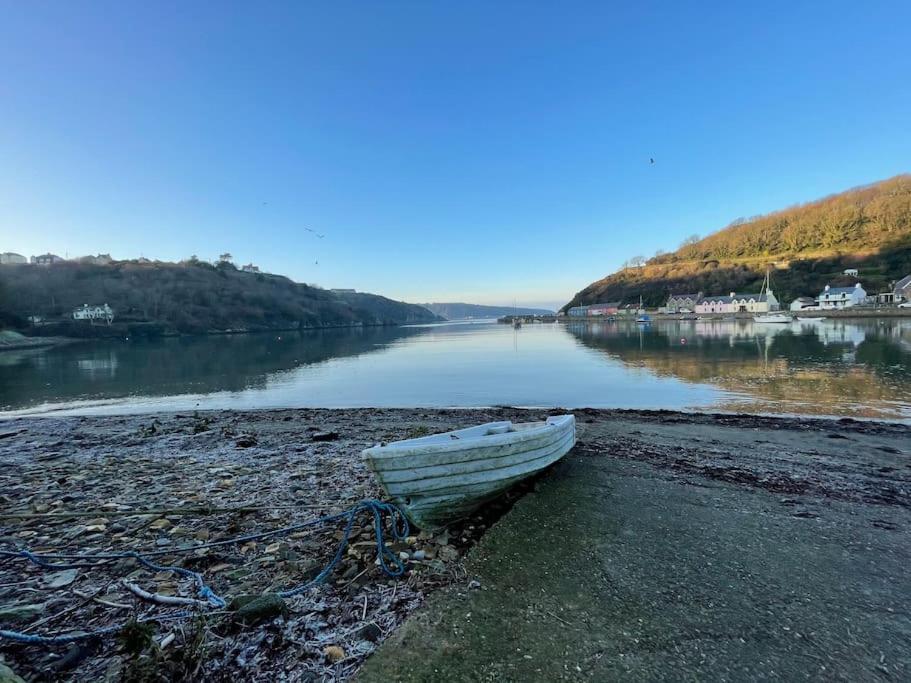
389,562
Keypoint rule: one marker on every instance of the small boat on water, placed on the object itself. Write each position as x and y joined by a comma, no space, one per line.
644,319
805,319
773,318
440,478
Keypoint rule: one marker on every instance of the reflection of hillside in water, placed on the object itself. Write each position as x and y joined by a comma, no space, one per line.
835,367
187,365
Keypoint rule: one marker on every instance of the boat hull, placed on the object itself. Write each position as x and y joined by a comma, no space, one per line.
436,480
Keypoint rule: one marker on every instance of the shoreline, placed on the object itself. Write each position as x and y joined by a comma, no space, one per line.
274,461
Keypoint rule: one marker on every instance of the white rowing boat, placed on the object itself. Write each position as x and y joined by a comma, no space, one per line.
440,478
773,318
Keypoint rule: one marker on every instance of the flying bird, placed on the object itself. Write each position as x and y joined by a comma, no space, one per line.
651,160
314,232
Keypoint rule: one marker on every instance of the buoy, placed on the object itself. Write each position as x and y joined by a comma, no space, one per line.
683,340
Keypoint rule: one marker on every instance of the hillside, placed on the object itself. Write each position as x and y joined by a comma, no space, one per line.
807,246
155,298
456,311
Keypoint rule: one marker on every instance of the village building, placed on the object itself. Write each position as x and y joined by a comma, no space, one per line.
850,271
46,259
9,258
902,290
99,260
682,303
250,268
738,303
803,302
92,313
609,308
841,297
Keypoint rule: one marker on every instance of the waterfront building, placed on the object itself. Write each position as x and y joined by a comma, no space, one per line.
841,297
9,258
738,303
803,302
609,308
902,289
93,313
682,302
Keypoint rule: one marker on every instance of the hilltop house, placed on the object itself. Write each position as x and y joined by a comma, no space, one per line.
850,271
46,259
250,268
902,289
738,303
841,297
682,302
93,313
99,260
803,302
9,258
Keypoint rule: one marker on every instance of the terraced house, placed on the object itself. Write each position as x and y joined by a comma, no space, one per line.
738,303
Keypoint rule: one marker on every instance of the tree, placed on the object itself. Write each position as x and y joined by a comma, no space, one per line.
690,241
225,258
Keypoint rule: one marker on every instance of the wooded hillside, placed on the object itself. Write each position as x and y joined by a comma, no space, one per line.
191,297
807,246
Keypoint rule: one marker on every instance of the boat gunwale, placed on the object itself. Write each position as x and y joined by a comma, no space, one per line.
548,448
383,452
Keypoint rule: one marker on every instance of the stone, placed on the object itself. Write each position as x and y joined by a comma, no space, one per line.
370,632
334,653
262,608
324,436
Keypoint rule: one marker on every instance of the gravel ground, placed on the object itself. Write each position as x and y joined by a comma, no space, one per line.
260,470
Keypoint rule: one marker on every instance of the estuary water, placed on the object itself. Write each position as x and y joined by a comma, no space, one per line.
859,369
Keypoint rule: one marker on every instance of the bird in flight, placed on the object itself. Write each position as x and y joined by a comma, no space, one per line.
651,160
314,232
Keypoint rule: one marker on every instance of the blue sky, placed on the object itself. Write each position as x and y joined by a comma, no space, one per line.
480,152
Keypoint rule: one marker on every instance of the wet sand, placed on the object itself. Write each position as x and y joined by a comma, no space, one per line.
723,546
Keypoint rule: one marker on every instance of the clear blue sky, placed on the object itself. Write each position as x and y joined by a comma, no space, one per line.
447,150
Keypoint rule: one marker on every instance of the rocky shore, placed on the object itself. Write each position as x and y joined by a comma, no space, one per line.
183,481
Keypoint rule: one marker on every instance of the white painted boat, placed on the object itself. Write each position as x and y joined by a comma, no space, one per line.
773,318
804,319
440,478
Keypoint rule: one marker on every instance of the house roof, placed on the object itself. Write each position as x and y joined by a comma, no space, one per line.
731,299
805,298
609,304
683,296
839,290
903,283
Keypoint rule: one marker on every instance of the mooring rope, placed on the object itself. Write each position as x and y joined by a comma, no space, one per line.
388,560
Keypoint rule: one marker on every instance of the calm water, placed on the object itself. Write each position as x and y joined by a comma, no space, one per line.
853,368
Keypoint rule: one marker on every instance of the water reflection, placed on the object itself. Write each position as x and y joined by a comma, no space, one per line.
834,367
177,366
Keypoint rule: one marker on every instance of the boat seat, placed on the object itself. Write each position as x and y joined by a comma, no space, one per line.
499,429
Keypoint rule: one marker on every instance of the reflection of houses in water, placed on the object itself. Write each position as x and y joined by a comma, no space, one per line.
98,367
834,333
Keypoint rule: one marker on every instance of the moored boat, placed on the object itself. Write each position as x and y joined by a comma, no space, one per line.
811,319
440,478
773,318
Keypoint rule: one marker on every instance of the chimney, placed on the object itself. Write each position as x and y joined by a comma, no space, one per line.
733,295
827,288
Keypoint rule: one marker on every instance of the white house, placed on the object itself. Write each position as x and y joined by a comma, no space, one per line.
93,313
738,303
250,268
850,271
46,259
902,289
9,258
803,302
841,297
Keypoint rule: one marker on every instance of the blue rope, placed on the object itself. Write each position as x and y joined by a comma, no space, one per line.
398,526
